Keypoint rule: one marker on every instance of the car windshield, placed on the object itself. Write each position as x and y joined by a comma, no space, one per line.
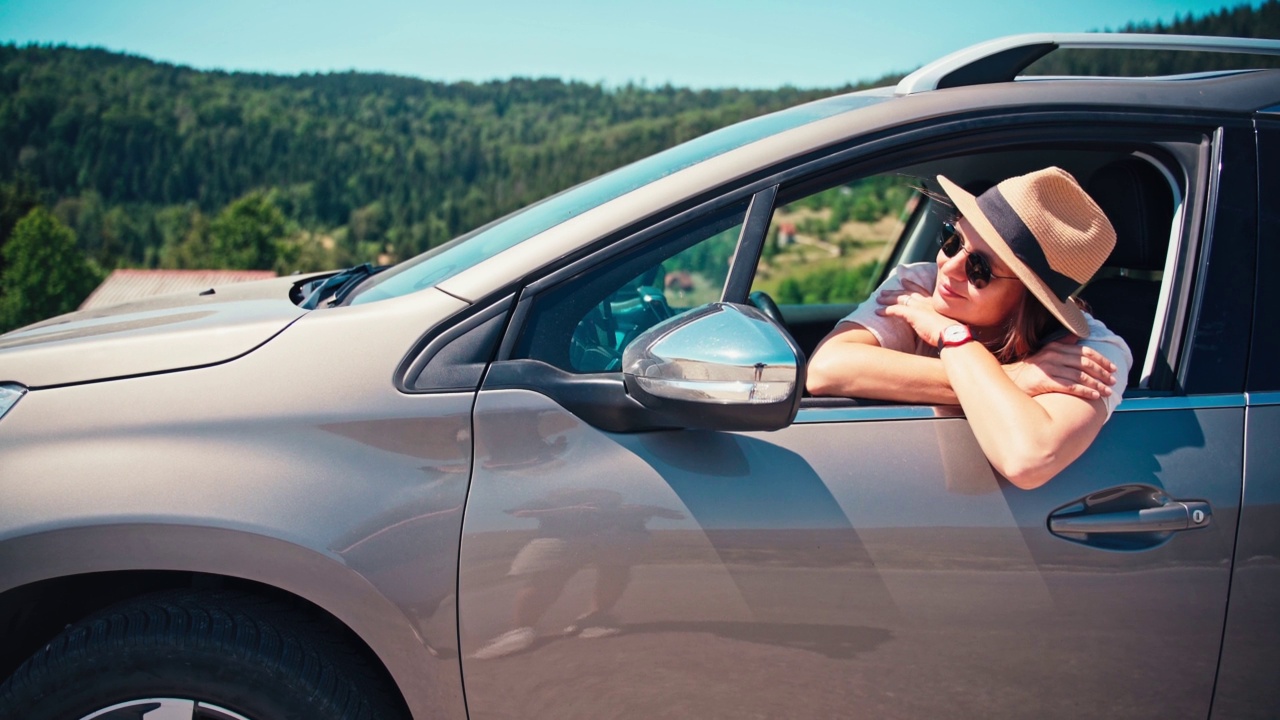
438,264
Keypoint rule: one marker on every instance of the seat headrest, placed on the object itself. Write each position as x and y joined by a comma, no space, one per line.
1137,199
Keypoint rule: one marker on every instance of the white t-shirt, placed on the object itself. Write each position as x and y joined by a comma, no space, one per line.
895,334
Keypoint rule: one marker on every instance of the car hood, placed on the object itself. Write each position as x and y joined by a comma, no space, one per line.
171,332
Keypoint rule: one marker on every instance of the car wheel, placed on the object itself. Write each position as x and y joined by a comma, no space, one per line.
194,656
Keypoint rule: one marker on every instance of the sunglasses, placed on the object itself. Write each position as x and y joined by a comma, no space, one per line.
976,266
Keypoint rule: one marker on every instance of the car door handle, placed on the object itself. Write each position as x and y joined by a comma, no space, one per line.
1172,516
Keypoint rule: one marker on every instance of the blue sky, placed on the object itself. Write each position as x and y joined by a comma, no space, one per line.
696,43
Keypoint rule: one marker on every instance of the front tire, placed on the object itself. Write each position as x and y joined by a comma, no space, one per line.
194,655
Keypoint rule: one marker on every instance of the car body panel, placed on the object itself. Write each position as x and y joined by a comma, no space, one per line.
162,334
1249,649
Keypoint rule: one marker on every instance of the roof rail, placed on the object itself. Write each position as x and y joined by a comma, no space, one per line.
1001,60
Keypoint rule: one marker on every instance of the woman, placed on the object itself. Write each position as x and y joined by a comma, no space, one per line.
981,326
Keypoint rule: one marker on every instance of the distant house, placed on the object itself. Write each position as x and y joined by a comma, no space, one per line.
786,234
128,285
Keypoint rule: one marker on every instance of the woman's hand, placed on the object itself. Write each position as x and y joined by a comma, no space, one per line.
1063,366
914,304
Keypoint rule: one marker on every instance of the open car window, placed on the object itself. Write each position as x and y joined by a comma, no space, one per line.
832,247
832,242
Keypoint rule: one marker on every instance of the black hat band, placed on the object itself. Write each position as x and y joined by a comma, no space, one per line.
1023,242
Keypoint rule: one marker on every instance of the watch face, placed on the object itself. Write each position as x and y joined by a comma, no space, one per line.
956,334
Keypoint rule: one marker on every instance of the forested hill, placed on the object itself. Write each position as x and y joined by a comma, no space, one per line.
156,165
372,160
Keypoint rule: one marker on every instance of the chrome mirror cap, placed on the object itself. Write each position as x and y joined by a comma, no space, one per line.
723,356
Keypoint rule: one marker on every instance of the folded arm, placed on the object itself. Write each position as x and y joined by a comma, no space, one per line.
1027,439
849,362
1031,418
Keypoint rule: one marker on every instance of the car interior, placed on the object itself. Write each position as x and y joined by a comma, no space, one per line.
1138,193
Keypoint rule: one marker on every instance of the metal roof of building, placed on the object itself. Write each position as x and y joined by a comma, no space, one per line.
133,284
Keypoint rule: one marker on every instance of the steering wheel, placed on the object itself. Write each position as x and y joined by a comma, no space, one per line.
765,304
593,347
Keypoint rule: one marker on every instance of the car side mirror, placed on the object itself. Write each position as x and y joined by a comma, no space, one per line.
721,366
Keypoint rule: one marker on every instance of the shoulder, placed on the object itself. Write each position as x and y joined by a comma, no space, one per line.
889,332
1102,339
921,273
1112,347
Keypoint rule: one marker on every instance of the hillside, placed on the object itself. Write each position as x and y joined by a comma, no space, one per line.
135,155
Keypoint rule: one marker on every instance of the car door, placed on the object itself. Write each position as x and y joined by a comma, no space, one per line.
864,561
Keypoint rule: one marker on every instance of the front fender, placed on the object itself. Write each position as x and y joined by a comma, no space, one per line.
430,684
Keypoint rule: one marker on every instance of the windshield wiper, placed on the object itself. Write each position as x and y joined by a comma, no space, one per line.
340,285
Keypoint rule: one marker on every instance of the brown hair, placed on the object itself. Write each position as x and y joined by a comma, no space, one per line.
1027,329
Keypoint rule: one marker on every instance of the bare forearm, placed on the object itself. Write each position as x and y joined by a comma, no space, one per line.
868,371
1022,438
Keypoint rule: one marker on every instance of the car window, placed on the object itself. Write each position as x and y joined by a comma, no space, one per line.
583,324
832,246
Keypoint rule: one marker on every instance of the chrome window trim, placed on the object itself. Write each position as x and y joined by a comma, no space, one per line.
1172,258
1197,267
1262,398
1181,402
876,413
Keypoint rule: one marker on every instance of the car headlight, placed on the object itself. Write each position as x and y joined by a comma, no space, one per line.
9,396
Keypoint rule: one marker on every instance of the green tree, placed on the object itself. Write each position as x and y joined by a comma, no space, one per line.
245,234
45,274
16,200
789,292
185,233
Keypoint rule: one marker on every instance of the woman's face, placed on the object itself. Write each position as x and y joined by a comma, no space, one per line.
957,298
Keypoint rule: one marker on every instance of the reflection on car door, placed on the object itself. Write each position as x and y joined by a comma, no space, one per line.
851,562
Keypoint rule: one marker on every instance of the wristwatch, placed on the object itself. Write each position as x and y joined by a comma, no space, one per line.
954,335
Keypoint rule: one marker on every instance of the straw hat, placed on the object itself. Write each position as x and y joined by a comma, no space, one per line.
1047,230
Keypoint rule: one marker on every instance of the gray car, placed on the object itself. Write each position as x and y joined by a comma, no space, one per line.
562,467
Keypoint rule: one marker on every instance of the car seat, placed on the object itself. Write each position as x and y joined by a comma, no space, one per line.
1123,294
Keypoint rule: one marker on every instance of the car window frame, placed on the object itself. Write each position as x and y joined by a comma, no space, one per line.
609,252
645,249
884,151
1188,142
1213,355
1263,373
